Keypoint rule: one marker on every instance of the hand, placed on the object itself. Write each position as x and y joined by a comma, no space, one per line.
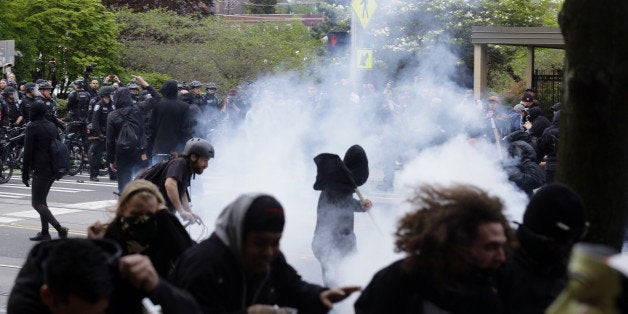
367,204
97,230
25,179
139,271
187,216
139,80
527,125
331,296
112,166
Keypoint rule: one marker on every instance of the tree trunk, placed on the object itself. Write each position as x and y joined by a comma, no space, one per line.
594,113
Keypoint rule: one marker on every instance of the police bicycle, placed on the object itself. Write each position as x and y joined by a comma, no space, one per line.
74,141
11,151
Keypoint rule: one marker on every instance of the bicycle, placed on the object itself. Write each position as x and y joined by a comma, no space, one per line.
74,141
11,151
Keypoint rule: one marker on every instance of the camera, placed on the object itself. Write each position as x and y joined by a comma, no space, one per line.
89,68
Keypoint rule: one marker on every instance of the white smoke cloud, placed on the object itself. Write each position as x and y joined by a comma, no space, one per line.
273,149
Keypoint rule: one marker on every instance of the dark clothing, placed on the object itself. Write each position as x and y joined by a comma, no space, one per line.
395,290
533,277
39,135
25,297
96,150
170,123
78,105
51,111
99,118
40,188
128,162
180,170
170,242
538,126
548,146
333,237
524,171
211,273
12,111
25,109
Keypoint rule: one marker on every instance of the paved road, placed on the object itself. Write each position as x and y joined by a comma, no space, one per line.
75,201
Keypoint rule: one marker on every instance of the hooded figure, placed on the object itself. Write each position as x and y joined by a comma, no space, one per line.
240,265
170,124
337,179
125,162
524,171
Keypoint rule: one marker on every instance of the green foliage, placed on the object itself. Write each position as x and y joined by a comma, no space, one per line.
261,7
211,49
75,32
336,18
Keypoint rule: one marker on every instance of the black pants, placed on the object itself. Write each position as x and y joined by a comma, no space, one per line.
95,157
39,192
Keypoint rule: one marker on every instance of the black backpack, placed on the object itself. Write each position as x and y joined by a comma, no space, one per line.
60,158
154,172
128,140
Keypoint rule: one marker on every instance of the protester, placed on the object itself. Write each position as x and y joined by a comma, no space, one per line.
536,273
174,177
240,268
454,241
78,276
334,238
37,156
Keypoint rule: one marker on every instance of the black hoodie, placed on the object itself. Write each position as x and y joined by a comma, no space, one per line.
125,109
170,124
39,134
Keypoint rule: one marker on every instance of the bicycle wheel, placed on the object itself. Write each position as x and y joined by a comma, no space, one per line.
6,167
76,158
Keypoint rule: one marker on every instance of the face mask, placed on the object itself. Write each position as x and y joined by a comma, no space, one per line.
139,232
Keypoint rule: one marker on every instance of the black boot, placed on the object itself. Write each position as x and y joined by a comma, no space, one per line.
93,178
63,233
41,237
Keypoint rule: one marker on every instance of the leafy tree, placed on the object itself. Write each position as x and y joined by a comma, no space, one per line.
336,18
593,131
74,32
211,49
201,7
261,6
405,30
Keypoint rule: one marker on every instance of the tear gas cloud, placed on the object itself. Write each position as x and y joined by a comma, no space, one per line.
292,119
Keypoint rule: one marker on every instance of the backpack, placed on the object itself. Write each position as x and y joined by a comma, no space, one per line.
154,172
128,140
60,158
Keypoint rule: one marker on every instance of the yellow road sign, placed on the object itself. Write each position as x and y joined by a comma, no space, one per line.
364,10
365,59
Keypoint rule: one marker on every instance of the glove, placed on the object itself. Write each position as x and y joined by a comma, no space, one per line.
25,179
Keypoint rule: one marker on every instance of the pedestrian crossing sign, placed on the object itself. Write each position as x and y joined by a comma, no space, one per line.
364,10
365,59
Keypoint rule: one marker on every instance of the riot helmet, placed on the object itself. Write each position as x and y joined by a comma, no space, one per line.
30,87
211,85
195,84
45,85
132,85
79,83
106,91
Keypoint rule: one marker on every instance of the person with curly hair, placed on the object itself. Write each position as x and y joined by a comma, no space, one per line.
454,241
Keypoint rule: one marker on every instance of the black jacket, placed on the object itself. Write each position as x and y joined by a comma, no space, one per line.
99,117
170,123
395,290
211,273
125,109
524,171
25,297
39,135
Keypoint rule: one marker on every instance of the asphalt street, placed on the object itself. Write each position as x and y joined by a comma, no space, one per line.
75,201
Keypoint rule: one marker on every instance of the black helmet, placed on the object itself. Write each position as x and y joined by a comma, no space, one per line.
30,87
132,85
199,147
45,85
195,84
80,83
8,90
106,91
211,85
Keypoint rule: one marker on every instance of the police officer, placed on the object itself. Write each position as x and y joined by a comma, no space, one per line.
10,111
26,103
78,102
45,95
135,91
211,102
99,129
195,90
